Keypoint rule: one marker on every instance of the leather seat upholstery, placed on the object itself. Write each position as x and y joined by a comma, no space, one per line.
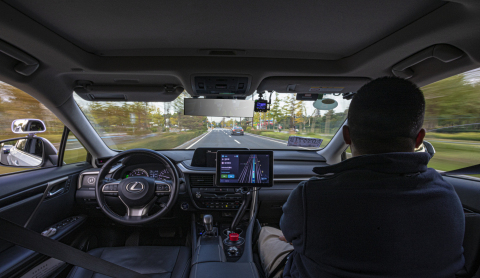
155,261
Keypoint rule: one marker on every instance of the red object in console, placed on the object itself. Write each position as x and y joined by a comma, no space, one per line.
233,236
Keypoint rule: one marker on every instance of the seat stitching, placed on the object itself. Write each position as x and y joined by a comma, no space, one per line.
185,267
198,253
253,272
176,260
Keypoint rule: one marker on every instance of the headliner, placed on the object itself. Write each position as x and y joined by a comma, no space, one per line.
327,30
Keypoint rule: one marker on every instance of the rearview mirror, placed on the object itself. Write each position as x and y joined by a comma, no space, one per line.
28,126
218,107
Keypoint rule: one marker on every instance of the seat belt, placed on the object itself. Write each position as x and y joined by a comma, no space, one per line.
29,239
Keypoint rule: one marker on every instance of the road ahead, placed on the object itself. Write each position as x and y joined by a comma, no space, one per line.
222,138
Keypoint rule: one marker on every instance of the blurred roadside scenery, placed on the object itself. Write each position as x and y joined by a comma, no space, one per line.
452,121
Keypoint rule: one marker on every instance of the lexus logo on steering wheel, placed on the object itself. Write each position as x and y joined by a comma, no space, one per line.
135,187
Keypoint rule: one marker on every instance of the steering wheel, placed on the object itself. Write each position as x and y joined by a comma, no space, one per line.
138,194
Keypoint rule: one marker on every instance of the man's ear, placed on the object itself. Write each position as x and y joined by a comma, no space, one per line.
419,139
346,135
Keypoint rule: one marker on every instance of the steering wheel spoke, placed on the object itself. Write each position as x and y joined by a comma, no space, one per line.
138,211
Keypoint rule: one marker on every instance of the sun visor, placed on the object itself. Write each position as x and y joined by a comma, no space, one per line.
312,85
157,93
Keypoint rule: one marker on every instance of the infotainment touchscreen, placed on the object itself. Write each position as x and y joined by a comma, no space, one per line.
245,168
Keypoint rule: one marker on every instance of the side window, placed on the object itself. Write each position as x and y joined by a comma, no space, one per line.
16,104
74,150
452,120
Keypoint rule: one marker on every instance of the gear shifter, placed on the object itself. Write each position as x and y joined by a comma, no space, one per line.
208,222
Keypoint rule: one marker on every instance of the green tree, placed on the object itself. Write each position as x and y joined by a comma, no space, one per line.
276,110
291,106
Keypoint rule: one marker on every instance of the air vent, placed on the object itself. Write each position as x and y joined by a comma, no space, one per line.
202,180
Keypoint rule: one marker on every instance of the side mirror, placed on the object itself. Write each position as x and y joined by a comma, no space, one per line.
22,152
429,148
29,151
28,126
426,147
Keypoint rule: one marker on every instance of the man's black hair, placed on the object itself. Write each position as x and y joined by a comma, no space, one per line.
385,115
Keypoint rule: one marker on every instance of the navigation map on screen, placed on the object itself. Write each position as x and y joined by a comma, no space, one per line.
244,168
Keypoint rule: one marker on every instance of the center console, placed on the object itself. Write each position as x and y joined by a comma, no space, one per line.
214,197
222,187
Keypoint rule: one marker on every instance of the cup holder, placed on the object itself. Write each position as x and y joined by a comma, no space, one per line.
238,230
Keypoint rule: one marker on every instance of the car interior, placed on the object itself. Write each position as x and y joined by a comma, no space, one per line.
175,211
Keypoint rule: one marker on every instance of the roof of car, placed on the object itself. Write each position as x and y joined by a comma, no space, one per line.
328,30
157,42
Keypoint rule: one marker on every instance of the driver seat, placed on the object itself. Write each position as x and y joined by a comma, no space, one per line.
154,261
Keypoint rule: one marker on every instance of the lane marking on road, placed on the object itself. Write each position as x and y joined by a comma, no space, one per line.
197,141
74,149
236,141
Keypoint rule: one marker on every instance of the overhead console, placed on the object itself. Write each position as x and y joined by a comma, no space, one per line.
221,86
312,85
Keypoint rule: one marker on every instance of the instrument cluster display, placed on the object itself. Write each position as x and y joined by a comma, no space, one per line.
157,173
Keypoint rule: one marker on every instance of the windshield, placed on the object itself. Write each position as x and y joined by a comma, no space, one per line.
163,125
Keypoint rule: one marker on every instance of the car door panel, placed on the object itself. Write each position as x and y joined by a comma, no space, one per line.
37,200
54,207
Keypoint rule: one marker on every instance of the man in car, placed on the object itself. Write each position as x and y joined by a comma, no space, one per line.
382,213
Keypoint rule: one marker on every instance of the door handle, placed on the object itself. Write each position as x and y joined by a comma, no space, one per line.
51,186
59,191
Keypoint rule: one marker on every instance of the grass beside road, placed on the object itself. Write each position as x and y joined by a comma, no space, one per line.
164,141
451,156
471,136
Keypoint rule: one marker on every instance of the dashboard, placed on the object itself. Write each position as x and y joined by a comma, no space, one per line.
199,189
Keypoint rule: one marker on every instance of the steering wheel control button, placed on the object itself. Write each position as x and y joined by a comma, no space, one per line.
110,189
